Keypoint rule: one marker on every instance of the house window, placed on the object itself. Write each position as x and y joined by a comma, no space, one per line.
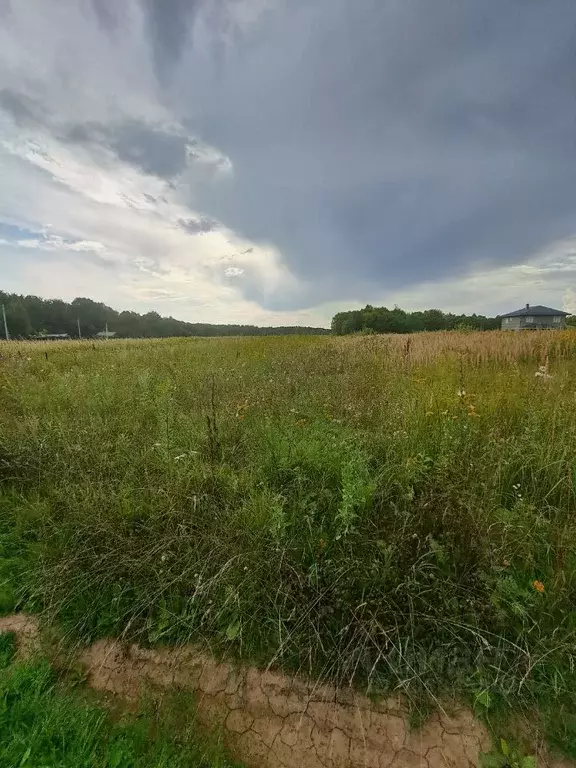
556,319
529,319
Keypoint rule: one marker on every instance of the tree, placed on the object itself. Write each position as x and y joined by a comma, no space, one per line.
17,319
27,315
434,320
384,320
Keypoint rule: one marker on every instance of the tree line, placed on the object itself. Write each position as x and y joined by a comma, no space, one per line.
29,316
383,320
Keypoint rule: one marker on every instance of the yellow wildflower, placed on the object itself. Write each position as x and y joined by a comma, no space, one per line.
538,586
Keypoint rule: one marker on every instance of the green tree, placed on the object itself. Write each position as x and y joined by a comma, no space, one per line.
18,319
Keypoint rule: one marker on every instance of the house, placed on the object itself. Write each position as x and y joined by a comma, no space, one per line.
50,336
106,335
536,317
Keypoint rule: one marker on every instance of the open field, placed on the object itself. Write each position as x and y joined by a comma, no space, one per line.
397,510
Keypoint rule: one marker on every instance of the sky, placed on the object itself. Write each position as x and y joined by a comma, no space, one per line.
277,161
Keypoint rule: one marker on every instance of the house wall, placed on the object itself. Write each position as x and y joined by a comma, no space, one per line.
540,322
511,323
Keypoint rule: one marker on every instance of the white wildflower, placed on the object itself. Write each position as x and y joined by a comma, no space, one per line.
461,392
542,373
180,457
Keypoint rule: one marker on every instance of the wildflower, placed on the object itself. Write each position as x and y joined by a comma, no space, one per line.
542,372
461,392
180,457
538,586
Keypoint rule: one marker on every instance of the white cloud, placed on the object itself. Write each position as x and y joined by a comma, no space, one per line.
542,279
49,242
132,222
569,301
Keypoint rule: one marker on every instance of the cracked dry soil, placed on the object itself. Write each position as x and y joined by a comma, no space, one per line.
273,721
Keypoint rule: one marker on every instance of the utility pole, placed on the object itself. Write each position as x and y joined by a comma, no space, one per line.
79,329
5,323
106,337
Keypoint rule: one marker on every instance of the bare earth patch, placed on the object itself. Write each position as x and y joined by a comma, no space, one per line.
273,721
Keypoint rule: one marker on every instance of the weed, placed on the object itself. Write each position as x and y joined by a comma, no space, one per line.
333,506
507,757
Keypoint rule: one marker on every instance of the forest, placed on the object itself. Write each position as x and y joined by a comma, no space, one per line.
383,320
28,316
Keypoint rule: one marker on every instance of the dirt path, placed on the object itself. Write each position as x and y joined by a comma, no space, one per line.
272,721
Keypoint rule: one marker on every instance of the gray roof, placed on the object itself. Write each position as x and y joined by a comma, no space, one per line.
536,311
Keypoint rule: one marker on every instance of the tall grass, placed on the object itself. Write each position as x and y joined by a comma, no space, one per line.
391,511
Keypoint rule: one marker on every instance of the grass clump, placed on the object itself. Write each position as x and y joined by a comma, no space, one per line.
378,510
45,723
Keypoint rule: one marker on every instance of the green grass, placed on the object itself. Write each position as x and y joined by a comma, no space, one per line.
329,505
44,723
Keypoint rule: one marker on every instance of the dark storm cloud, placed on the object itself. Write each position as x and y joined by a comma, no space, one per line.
19,106
198,226
154,150
375,144
151,148
378,144
169,24
108,14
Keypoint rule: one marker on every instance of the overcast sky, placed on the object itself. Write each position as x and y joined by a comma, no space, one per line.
275,161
